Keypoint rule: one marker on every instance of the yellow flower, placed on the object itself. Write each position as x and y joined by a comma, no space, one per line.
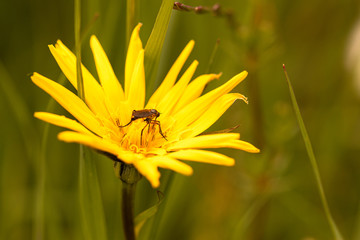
146,143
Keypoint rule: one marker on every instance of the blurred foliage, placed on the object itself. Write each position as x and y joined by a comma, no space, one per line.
271,195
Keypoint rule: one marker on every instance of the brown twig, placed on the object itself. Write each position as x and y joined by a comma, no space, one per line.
215,10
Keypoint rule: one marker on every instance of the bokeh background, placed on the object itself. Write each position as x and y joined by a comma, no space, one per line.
271,195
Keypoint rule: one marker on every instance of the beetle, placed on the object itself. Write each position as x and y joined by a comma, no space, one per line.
149,116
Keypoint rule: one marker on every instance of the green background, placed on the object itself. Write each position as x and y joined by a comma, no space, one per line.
271,195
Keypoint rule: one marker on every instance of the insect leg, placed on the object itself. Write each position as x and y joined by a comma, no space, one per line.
142,131
126,124
160,131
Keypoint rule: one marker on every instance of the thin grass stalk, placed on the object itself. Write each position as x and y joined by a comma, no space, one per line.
248,217
212,56
23,120
310,152
131,18
89,192
156,223
80,85
155,43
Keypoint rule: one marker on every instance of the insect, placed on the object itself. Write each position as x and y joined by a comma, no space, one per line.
149,116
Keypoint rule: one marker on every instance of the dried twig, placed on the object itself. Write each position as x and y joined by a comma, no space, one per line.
215,10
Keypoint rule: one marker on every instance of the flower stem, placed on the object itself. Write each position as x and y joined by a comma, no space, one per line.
128,195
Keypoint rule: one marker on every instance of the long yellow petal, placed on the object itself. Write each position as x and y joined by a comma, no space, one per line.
148,170
170,100
195,109
170,78
135,46
136,95
62,121
112,88
94,95
203,156
194,90
212,114
68,100
204,141
91,141
172,164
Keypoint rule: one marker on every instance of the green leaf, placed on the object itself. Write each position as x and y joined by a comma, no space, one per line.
148,213
310,152
155,42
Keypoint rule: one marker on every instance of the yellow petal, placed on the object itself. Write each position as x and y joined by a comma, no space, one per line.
167,103
195,89
203,156
135,46
62,121
170,78
69,101
205,141
212,114
195,109
94,142
94,95
136,96
172,164
111,86
148,170
242,145
129,157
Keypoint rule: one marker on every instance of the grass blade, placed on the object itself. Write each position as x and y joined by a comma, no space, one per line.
20,111
93,218
22,117
212,56
248,217
142,217
80,85
90,198
155,42
334,228
132,7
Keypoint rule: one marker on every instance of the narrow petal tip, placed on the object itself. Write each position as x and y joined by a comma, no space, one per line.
37,114
254,150
93,39
191,42
138,26
155,183
217,76
35,77
230,163
64,136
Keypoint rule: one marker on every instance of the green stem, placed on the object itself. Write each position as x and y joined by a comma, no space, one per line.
128,196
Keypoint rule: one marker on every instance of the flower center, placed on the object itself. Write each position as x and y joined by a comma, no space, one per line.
142,134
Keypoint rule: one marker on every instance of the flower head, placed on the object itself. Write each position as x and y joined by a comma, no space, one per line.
160,133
